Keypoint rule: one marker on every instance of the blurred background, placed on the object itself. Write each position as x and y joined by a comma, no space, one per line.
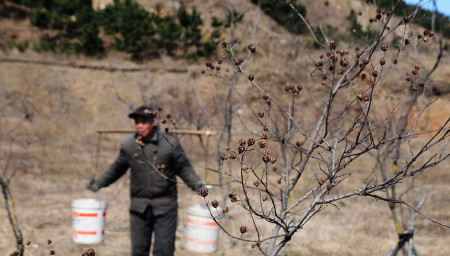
71,68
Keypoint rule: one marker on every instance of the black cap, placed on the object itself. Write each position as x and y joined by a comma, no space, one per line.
143,111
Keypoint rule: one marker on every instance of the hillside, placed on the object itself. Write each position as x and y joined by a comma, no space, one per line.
57,102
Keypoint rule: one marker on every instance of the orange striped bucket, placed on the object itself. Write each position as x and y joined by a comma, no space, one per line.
202,231
88,221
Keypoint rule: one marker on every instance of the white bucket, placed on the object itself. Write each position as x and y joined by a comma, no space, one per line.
202,231
89,220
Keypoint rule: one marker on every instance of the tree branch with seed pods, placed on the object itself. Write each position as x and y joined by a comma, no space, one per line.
346,131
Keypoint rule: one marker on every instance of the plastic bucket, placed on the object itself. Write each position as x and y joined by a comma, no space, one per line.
89,220
202,231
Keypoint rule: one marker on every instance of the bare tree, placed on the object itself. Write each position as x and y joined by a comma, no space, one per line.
348,130
10,169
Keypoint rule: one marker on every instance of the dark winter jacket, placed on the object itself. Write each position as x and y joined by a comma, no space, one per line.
150,187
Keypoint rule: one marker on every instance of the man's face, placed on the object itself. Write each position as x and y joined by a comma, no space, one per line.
143,125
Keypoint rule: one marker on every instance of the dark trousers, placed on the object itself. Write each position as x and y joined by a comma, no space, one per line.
142,227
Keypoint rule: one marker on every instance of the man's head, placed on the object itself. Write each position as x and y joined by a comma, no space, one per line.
143,120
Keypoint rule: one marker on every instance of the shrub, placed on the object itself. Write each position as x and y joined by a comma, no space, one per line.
283,14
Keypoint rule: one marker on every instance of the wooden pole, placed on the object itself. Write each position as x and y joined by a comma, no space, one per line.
175,132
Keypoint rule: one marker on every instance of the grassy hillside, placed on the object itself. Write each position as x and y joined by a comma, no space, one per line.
57,100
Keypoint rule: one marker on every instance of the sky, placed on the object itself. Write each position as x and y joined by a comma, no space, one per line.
443,5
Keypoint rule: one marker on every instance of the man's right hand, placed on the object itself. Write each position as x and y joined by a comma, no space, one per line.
93,185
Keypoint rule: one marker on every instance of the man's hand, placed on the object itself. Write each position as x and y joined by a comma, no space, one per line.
93,185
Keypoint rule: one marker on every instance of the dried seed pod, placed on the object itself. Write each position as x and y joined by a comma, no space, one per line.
264,198
233,155
243,229
332,42
227,148
363,76
215,203
253,246
408,78
426,32
203,192
344,62
256,183
265,97
244,167
414,72
223,157
219,62
299,143
421,85
360,97
261,114
299,87
164,121
419,36
233,197
224,44
319,63
252,48
273,159
265,128
268,103
374,73
425,39
251,77
227,69
384,47
19,241
324,83
264,136
28,243
241,142
395,61
160,109
250,142
279,181
414,88
324,77
262,144
265,158
382,62
366,60
218,68
225,210
320,181
406,19
52,252
329,186
366,98
417,67
431,34
49,241
169,116
275,169
407,41
136,156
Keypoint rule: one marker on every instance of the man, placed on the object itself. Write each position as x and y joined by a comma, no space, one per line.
153,190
